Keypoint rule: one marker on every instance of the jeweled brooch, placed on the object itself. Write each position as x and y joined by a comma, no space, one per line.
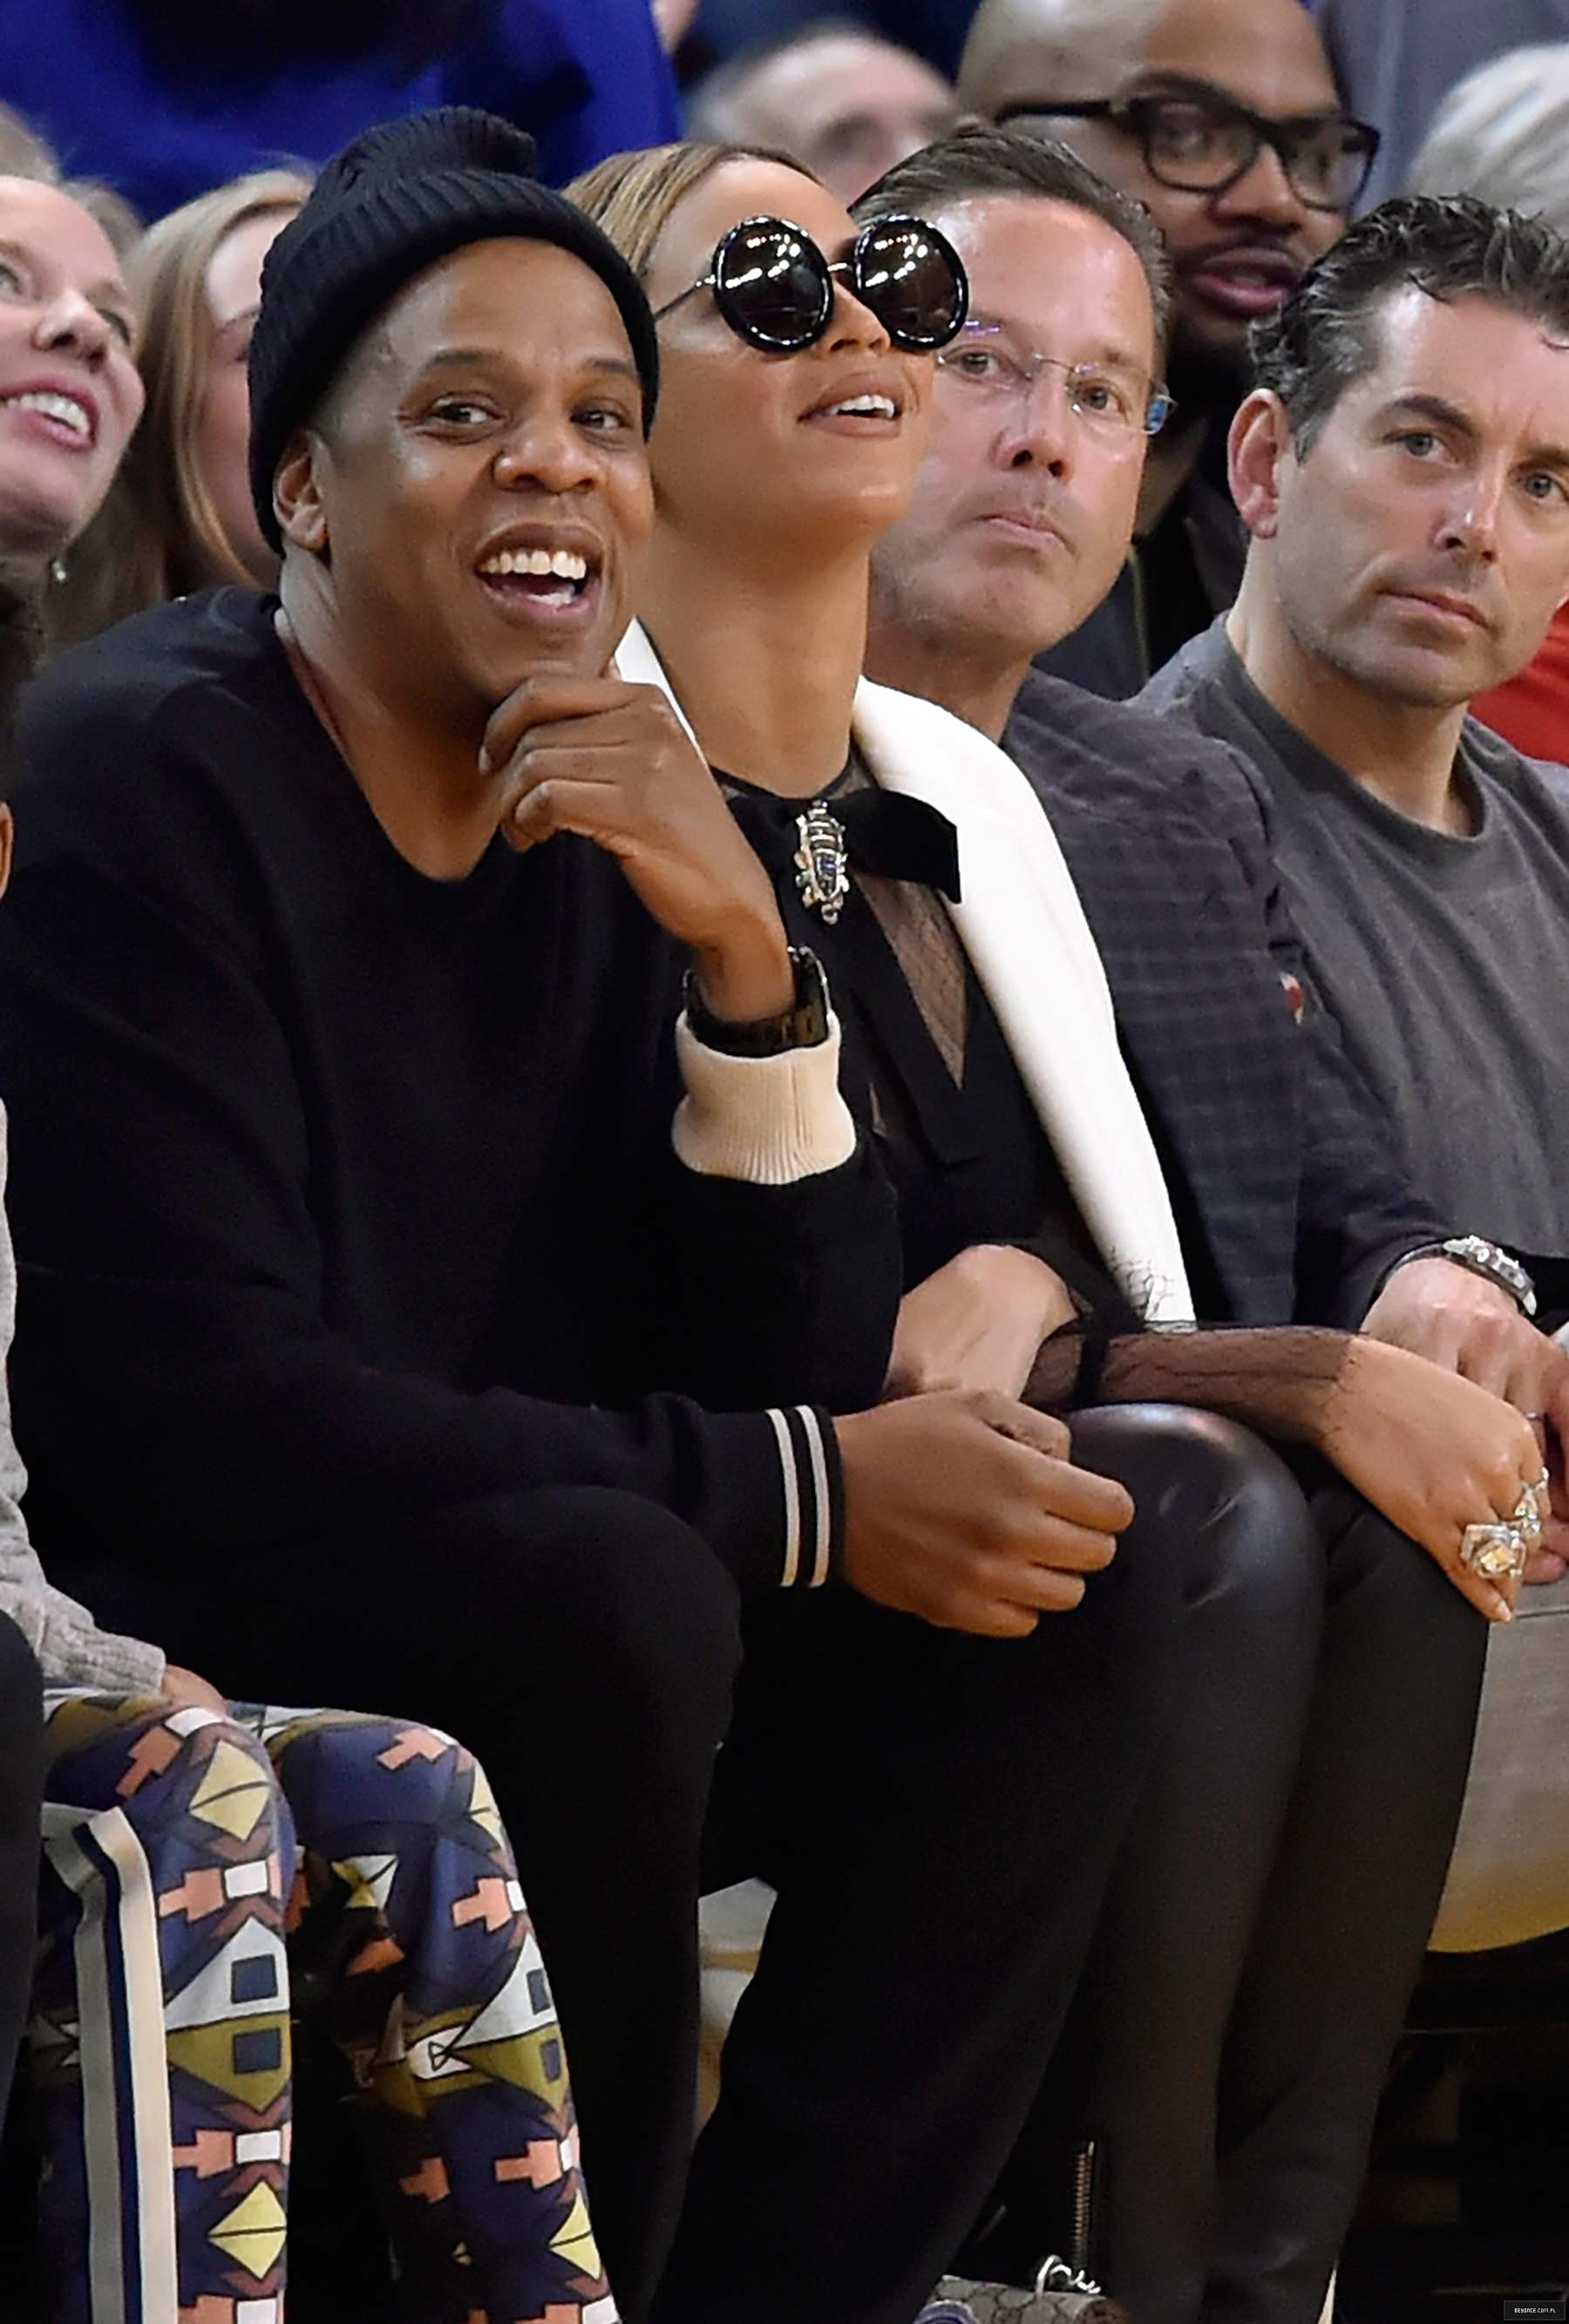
822,861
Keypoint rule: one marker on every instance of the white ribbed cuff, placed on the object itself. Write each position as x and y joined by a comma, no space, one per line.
769,1120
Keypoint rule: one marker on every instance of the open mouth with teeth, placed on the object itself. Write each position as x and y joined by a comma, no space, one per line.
67,421
870,410
538,577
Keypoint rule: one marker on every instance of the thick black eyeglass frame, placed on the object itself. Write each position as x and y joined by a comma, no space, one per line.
732,305
1136,115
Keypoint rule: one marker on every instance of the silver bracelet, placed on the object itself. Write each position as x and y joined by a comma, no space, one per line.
1480,1257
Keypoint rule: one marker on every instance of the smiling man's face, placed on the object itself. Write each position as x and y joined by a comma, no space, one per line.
481,480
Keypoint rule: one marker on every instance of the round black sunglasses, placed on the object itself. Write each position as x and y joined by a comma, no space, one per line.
775,289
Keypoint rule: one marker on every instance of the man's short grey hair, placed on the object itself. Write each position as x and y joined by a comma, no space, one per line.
1503,133
716,112
983,160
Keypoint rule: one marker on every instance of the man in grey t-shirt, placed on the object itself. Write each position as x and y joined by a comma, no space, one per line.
1442,951
1403,468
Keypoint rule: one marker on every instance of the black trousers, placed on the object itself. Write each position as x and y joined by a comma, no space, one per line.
956,2011
1270,1911
940,1814
21,1795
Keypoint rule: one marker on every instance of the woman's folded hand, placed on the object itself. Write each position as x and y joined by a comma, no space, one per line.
1433,1452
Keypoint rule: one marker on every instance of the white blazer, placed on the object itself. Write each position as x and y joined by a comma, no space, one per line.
1024,929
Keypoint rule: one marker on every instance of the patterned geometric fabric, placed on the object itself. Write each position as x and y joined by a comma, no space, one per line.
188,1859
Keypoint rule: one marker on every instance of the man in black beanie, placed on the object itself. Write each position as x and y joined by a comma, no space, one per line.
444,1294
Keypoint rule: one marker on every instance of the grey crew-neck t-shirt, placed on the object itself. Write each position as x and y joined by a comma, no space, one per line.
1444,957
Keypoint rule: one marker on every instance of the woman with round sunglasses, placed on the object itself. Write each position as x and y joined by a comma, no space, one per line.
776,290
1317,1641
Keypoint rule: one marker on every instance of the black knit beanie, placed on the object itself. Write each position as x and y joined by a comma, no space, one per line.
384,209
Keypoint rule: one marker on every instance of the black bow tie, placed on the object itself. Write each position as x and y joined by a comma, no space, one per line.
885,833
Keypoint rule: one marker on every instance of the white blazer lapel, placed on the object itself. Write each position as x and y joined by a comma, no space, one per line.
637,662
1023,926
1024,929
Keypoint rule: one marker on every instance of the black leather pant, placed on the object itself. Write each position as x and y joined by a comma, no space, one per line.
1273,1897
941,1814
931,1922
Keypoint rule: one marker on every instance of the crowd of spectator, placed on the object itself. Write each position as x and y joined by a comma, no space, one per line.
787,873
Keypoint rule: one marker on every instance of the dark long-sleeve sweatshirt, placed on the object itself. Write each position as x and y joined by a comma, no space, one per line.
340,1193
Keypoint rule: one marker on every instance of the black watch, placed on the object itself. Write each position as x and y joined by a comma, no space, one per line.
802,1026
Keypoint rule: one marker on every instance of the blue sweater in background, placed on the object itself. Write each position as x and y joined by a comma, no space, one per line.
587,77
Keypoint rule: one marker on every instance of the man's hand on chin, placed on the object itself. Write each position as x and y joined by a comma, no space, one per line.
1471,1326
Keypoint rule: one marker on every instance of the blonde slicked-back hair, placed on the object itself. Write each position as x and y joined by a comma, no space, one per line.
159,533
168,275
633,197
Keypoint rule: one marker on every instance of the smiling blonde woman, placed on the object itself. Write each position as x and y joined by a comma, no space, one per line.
180,516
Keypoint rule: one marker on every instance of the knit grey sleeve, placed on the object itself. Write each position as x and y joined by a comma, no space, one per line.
71,1649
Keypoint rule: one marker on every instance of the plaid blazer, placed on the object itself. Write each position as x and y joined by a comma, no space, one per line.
1282,1169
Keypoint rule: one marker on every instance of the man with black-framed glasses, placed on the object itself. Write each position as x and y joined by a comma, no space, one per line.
1197,141
1223,118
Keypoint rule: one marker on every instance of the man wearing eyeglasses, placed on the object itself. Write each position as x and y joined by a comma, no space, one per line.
1223,118
1292,1197
428,1233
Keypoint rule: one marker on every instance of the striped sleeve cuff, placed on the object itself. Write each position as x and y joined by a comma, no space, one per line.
769,1120
814,1497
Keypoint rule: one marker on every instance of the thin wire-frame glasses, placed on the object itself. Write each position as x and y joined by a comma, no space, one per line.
1115,400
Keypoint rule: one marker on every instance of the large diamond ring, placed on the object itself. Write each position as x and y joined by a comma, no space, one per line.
1498,1552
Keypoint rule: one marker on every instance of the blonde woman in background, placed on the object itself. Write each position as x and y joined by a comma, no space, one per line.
179,517
52,587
